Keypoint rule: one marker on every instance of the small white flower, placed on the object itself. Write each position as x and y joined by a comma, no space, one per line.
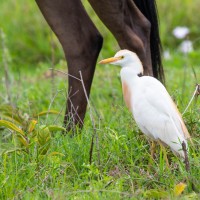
180,32
186,46
167,55
25,116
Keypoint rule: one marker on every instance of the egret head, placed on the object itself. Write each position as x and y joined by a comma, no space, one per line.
125,58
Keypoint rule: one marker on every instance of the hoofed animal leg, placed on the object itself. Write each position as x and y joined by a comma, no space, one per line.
81,43
128,25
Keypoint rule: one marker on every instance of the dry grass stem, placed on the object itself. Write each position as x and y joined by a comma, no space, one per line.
196,91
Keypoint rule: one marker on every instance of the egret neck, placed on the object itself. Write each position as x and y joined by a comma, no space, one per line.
130,80
130,77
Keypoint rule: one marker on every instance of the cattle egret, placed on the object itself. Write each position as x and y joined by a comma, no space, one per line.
152,107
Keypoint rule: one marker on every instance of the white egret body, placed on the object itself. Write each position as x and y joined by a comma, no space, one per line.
152,107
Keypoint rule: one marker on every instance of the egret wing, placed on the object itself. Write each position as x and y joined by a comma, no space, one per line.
156,114
162,101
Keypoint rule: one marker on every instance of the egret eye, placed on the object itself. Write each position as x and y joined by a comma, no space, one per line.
122,57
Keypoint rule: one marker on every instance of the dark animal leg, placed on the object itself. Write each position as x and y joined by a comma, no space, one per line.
81,43
128,25
186,161
149,10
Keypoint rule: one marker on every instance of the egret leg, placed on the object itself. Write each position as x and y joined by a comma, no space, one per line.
153,147
152,157
129,26
164,152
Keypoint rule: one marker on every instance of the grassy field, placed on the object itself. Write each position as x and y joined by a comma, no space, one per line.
44,164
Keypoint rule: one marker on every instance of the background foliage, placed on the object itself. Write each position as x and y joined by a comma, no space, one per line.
29,36
38,162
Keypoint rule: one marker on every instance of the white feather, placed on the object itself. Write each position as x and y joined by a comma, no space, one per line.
151,105
153,110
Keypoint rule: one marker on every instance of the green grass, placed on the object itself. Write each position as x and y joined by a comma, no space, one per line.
178,13
121,152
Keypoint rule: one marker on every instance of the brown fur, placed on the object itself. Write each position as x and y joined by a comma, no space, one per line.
82,42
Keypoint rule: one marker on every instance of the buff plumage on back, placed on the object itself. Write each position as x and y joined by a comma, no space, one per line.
183,127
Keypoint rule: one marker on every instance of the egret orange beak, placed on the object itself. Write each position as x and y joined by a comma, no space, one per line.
110,60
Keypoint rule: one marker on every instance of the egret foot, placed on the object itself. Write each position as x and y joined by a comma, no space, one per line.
164,152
